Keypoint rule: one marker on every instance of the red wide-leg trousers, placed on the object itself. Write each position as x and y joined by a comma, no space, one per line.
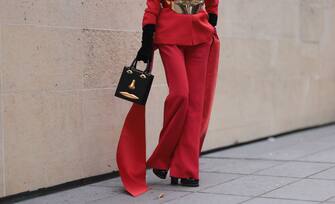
179,140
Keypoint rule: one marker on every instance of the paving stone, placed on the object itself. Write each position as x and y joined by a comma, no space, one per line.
236,175
332,199
295,152
116,182
242,166
74,196
277,152
319,133
206,180
306,189
323,156
253,150
246,151
108,183
277,201
201,198
327,174
251,185
151,196
328,138
295,169
271,148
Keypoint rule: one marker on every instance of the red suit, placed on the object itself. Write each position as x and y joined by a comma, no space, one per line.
189,47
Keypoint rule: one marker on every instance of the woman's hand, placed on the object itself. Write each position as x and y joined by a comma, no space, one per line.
145,52
212,19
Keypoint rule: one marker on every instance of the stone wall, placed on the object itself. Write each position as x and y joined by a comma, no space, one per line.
61,60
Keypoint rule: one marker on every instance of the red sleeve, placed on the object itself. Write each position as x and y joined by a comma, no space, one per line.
212,6
151,12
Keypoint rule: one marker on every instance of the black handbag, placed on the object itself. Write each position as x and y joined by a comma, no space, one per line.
134,85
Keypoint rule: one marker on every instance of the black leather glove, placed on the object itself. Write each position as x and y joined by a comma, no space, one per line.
145,52
212,19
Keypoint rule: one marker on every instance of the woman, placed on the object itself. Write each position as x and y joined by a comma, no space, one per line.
184,33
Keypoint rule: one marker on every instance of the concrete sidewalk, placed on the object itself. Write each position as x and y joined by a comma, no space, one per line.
295,169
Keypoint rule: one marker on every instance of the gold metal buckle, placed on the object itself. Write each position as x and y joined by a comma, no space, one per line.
186,6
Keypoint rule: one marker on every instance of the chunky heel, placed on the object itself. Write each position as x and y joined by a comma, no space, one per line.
161,173
174,180
190,182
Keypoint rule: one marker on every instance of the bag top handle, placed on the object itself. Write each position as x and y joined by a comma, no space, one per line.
148,68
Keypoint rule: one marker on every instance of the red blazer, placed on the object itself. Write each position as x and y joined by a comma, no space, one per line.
180,29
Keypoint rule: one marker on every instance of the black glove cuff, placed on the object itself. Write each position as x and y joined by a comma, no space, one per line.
212,19
149,28
148,32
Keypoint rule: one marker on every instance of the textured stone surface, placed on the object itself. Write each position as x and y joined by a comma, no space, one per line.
324,156
327,174
235,165
2,188
60,62
295,169
51,58
312,20
106,53
80,195
119,15
306,190
251,187
261,18
276,201
153,196
41,141
102,114
199,198
208,179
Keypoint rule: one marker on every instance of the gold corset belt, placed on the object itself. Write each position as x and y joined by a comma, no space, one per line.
184,6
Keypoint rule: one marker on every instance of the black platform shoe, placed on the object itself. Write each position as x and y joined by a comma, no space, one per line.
161,173
190,182
174,180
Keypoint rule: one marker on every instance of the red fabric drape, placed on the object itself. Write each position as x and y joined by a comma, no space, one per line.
131,150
